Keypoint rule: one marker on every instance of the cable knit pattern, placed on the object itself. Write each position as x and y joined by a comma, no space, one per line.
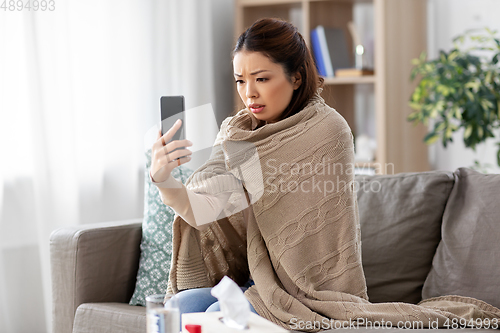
300,237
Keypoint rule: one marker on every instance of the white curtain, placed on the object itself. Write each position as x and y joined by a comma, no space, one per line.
79,88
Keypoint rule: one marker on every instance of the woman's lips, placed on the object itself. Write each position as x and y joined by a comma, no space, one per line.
256,108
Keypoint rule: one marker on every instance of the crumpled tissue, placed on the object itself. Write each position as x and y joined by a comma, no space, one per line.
234,305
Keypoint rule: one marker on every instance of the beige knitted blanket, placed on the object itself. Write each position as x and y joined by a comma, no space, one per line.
300,237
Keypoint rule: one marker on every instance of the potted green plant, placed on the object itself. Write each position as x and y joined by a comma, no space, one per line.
460,89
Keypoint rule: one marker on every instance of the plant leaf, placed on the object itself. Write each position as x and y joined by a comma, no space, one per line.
413,117
453,54
423,56
439,127
431,138
460,88
486,104
468,131
442,56
489,74
416,106
495,58
480,132
449,133
413,74
469,94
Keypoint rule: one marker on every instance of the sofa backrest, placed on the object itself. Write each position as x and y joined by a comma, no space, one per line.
400,217
467,261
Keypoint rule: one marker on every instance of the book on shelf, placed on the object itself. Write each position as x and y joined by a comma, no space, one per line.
349,72
317,52
330,50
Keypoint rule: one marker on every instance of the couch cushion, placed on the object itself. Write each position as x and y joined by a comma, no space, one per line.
400,217
467,261
156,243
109,317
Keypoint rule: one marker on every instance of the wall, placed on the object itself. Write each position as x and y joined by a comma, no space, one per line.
447,19
223,17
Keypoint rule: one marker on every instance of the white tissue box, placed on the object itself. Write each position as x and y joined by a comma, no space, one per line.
211,323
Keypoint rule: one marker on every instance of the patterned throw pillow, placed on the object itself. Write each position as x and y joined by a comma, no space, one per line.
156,244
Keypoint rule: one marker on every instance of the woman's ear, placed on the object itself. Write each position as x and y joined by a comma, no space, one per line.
296,80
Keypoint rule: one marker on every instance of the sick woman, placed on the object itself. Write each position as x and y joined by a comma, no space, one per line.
274,207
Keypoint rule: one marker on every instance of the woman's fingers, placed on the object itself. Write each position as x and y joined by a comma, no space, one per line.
178,154
163,157
165,164
176,149
178,144
171,146
162,140
159,143
183,160
171,131
168,155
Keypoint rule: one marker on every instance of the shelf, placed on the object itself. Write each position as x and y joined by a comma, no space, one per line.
350,80
348,1
251,3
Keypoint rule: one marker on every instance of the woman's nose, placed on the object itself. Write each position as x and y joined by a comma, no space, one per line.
251,91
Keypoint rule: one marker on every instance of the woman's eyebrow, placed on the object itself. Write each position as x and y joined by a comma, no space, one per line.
254,73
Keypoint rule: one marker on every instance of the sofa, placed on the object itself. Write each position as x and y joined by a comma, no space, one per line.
424,234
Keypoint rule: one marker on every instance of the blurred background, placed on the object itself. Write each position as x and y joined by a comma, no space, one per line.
79,90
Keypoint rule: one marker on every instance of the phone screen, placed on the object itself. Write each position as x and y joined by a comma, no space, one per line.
172,108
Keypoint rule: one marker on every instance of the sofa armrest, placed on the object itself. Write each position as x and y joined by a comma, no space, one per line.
92,263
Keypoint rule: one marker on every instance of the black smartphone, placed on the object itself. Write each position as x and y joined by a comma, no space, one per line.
171,109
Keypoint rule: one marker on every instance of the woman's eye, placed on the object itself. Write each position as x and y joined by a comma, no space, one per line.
239,81
262,79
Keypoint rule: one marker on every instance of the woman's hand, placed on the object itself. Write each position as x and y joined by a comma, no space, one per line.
163,158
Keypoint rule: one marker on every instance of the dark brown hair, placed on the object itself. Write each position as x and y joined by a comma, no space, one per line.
281,42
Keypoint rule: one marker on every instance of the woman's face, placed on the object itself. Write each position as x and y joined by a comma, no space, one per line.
263,85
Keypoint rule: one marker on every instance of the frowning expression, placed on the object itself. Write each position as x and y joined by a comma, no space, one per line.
263,85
